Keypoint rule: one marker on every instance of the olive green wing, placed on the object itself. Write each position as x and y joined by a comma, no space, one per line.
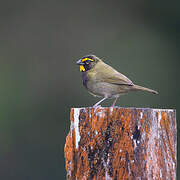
108,74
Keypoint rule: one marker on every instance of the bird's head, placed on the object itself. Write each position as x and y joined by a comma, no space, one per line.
87,62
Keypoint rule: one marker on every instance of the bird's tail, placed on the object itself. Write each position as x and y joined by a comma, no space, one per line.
136,87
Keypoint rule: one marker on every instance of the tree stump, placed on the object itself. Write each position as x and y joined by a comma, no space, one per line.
121,143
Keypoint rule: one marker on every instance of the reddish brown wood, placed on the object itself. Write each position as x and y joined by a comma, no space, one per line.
121,143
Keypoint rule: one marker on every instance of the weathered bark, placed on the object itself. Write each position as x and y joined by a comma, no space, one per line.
121,143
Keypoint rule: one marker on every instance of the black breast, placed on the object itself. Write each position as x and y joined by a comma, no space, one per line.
84,78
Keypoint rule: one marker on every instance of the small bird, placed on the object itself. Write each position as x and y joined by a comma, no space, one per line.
102,80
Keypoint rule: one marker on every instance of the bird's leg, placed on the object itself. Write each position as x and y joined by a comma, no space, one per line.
99,102
114,102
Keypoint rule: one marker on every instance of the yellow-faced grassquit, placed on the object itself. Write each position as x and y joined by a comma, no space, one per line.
102,80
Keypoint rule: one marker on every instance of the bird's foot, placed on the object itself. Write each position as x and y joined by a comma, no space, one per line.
96,107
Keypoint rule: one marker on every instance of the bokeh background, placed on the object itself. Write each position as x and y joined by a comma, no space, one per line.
40,42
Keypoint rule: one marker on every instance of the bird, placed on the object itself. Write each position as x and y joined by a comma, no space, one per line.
102,80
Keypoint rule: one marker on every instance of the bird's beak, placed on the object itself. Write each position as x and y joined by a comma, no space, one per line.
79,62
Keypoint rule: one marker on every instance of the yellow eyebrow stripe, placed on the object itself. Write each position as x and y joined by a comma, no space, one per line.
85,59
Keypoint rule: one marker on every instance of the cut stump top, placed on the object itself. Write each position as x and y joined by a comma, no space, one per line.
121,143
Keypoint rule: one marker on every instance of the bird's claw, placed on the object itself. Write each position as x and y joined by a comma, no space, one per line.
96,107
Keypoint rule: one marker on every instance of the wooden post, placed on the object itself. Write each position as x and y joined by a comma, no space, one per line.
121,143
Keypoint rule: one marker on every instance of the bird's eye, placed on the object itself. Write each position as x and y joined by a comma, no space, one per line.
88,61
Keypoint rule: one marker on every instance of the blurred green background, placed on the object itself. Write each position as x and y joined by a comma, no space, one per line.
40,42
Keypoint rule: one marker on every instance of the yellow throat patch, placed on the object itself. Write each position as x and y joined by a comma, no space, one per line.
82,68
